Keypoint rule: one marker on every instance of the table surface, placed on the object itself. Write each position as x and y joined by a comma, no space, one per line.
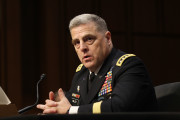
107,116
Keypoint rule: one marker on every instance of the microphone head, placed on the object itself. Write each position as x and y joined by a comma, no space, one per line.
43,76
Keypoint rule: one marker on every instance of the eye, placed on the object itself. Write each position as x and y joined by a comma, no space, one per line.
89,40
76,43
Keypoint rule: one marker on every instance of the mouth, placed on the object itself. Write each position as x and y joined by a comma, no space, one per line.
87,57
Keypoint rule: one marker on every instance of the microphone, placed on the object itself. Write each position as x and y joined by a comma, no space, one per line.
43,76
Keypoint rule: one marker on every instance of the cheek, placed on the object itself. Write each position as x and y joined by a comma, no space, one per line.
101,51
97,52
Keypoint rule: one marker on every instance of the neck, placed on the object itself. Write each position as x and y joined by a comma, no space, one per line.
97,68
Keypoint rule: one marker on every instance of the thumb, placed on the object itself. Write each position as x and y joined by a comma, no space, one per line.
61,94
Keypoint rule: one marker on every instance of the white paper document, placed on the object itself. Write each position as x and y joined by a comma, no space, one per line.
4,100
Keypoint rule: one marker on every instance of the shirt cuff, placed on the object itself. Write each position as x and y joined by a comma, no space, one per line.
73,109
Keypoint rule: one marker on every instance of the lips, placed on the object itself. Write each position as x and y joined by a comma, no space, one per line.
87,57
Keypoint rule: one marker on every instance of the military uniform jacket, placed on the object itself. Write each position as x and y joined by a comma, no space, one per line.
121,85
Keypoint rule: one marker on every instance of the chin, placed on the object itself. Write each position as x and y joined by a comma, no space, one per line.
88,65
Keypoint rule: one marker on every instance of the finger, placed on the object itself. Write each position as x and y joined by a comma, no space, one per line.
50,103
50,111
61,94
51,95
41,106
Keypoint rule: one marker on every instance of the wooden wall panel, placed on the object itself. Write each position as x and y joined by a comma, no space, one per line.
77,7
171,16
114,14
13,52
52,45
29,51
161,56
145,16
2,46
119,42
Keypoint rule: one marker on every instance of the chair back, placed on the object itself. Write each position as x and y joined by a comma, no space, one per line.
168,97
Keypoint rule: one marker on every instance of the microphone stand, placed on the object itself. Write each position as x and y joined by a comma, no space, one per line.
43,76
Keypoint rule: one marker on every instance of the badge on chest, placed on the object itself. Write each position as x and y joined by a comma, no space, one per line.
76,96
106,89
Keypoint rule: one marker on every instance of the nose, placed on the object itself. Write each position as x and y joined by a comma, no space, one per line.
83,47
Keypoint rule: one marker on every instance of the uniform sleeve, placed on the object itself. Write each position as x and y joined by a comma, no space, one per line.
132,90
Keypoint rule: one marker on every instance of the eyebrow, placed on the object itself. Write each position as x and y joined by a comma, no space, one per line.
73,40
84,37
89,35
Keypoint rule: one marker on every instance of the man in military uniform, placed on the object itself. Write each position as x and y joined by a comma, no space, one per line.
108,80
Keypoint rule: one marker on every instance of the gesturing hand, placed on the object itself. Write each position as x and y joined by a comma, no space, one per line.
51,106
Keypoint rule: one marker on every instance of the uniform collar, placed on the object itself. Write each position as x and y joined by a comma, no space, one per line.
97,70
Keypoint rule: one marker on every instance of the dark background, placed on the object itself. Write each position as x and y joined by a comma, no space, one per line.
34,39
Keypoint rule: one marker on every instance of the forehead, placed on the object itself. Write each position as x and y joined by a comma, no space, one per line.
83,29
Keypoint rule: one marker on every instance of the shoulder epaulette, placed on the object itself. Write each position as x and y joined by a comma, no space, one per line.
122,58
79,68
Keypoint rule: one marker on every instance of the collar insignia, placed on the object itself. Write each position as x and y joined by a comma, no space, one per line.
79,67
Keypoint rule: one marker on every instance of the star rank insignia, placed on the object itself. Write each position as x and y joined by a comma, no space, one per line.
78,88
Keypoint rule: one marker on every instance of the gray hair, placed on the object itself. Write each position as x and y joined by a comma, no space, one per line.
86,18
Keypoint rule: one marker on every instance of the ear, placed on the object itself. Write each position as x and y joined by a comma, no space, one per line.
108,36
